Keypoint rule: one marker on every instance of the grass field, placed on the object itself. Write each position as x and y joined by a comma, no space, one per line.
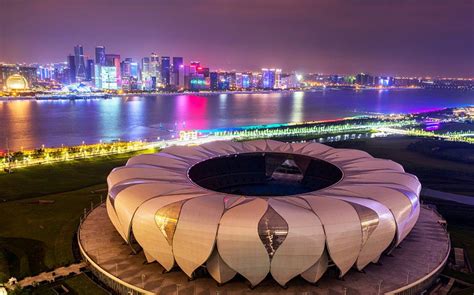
59,177
38,236
35,237
435,173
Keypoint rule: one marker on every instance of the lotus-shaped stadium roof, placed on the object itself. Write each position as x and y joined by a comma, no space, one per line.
195,206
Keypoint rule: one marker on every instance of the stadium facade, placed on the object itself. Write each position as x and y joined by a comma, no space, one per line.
262,207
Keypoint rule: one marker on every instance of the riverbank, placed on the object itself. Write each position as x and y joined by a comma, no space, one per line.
207,92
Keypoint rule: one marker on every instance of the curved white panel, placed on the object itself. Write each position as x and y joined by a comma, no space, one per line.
196,231
315,149
238,241
218,269
342,227
297,147
407,180
131,172
303,245
186,152
273,145
399,205
315,272
340,155
223,147
255,145
128,200
383,235
365,165
294,201
158,160
148,257
147,233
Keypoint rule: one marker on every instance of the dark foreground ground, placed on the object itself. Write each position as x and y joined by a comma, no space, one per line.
41,206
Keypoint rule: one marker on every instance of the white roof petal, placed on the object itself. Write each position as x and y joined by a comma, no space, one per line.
196,231
238,241
342,227
303,245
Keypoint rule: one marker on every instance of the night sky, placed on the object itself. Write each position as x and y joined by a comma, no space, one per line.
404,37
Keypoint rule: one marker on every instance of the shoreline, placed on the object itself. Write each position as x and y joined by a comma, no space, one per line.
148,94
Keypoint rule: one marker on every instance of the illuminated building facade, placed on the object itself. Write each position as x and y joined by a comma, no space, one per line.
100,55
166,71
80,63
89,70
268,78
155,70
177,75
71,63
108,75
113,60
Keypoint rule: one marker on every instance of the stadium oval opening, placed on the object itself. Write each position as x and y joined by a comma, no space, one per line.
264,174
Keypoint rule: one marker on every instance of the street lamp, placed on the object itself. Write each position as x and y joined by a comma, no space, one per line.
143,280
380,286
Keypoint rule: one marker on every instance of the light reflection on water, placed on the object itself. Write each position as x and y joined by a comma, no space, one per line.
31,123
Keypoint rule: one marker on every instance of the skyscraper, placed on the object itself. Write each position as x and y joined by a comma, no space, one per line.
89,70
100,55
277,82
155,68
268,78
113,60
71,64
165,70
214,77
99,63
177,67
80,63
126,71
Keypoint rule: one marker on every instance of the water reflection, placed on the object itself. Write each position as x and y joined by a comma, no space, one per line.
109,119
297,107
32,123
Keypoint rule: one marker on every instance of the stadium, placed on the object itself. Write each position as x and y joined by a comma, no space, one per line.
262,211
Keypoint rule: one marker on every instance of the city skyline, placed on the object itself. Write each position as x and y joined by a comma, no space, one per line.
406,38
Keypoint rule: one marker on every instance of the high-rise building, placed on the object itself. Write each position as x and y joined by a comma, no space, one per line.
80,63
61,72
109,77
89,70
176,69
277,83
155,67
100,55
71,64
113,60
146,74
268,78
129,72
165,70
214,81
246,80
364,79
238,81
134,70
98,76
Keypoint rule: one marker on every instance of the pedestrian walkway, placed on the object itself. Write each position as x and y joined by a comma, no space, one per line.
50,276
462,199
